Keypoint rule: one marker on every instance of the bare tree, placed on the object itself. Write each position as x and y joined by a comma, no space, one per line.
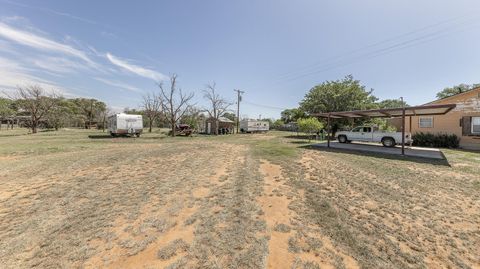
218,104
174,102
152,106
34,100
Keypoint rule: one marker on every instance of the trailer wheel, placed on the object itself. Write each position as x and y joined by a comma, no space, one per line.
342,139
388,142
138,134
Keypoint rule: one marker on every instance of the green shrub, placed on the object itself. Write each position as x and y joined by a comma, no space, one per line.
436,140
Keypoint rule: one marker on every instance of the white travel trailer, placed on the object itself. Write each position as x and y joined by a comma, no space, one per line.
125,124
254,126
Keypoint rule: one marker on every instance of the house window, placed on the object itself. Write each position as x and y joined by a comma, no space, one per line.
475,125
425,122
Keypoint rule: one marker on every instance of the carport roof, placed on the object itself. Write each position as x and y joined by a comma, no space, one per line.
424,110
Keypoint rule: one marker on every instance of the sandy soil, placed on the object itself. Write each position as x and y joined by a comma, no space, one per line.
207,203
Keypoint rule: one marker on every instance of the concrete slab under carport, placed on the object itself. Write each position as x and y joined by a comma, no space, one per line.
431,153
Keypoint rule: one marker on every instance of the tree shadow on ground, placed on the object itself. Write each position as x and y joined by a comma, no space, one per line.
296,136
105,136
443,162
302,142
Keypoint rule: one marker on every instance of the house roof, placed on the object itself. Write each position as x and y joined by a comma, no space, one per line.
455,95
424,110
223,119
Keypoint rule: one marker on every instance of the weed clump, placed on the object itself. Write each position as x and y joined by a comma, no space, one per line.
282,228
171,249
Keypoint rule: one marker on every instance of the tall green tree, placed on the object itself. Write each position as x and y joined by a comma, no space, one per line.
7,110
450,91
90,109
339,95
392,103
61,114
292,115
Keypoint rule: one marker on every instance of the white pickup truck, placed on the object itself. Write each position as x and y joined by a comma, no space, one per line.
370,134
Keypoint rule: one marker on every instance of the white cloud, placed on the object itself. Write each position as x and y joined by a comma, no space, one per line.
68,15
138,70
119,85
12,75
41,43
58,65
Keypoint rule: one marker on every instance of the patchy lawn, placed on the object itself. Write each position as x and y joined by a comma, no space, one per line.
77,198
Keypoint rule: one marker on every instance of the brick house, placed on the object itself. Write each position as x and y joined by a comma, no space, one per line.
464,120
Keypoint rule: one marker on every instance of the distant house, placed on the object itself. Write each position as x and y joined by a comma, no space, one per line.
463,121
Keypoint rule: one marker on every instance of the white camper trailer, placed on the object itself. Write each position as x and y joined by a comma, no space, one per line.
253,126
125,124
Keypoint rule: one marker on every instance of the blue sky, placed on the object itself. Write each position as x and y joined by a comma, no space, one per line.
274,50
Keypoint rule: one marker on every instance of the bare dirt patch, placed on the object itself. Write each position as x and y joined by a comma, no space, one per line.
275,208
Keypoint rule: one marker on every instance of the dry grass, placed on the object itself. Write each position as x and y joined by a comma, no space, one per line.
245,201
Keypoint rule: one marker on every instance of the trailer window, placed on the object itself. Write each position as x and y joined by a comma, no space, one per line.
475,125
425,122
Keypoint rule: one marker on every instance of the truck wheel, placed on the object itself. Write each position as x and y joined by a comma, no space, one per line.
138,134
342,139
388,142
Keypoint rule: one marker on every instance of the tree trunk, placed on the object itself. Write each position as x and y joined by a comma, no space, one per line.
173,128
150,122
34,127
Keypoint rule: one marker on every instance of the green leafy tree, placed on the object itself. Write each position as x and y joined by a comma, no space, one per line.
229,115
447,92
90,109
278,124
310,126
392,103
292,115
7,110
61,114
339,95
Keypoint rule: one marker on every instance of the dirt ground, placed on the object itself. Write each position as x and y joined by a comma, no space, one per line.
78,199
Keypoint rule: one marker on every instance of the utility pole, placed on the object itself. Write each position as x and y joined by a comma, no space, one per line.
239,98
403,126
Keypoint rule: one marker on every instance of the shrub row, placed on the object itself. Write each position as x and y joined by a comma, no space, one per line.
436,140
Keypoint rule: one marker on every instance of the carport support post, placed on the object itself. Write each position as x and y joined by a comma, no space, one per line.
328,130
403,127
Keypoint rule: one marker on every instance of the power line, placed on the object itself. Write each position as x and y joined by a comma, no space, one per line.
382,51
309,67
264,106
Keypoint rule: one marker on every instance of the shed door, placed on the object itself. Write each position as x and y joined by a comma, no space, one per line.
209,127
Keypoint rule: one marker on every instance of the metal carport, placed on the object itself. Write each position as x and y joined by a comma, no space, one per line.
425,110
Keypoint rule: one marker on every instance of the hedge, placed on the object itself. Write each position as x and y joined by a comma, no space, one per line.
436,140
